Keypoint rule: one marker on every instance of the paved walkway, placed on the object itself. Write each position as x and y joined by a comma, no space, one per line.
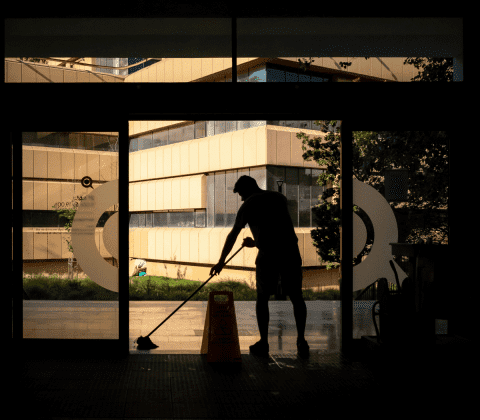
183,332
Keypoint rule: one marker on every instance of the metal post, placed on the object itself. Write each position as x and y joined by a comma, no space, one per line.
346,237
123,236
280,295
234,49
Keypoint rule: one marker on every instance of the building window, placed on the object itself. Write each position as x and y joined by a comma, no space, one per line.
291,76
210,200
219,127
145,141
141,220
200,129
304,202
160,138
291,192
180,219
317,192
231,198
160,220
275,75
148,220
257,74
242,125
52,219
133,223
200,218
220,206
210,128
299,187
133,145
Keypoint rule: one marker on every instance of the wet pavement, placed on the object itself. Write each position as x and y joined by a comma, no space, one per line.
183,332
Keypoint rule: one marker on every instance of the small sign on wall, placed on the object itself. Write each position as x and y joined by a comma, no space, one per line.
68,204
396,184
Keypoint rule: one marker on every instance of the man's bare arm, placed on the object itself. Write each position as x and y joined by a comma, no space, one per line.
229,243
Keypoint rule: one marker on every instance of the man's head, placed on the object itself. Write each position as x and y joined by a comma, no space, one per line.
246,186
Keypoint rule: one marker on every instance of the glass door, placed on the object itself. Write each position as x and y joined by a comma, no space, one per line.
70,235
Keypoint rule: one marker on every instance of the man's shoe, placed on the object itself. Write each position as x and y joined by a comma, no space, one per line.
303,349
260,349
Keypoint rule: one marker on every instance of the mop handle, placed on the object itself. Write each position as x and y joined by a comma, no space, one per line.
193,293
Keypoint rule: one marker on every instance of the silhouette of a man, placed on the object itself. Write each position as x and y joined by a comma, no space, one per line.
266,213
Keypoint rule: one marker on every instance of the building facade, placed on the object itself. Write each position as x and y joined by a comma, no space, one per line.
181,173
216,69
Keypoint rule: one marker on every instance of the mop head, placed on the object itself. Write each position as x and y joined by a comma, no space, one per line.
144,343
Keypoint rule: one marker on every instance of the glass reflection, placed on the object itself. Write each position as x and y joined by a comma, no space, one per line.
257,75
52,195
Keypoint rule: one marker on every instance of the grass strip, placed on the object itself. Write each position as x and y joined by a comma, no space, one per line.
148,288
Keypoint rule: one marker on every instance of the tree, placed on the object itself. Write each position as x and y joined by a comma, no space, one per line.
433,69
376,151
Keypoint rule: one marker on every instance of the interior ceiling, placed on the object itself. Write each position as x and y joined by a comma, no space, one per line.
194,8
197,36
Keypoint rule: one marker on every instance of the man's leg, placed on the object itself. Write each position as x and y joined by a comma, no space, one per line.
300,313
263,316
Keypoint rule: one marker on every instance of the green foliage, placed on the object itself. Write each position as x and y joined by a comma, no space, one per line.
432,69
69,214
55,288
378,151
148,288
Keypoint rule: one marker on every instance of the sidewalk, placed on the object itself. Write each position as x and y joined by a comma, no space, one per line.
183,332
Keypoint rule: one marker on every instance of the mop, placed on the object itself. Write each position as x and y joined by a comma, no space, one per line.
144,343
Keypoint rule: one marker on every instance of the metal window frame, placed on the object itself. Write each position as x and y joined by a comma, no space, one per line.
21,344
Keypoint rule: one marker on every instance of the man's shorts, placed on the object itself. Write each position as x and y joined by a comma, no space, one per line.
286,267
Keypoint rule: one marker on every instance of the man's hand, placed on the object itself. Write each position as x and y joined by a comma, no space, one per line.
248,242
216,269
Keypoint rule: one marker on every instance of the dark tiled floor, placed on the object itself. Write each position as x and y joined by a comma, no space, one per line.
185,386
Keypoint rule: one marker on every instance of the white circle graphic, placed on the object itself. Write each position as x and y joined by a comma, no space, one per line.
83,235
376,265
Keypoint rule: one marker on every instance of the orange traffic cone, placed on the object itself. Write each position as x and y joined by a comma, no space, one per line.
220,335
